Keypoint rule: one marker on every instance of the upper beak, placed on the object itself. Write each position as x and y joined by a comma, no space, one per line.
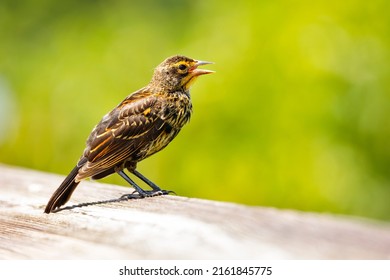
196,72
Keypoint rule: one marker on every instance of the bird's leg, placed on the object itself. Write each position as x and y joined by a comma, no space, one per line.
146,180
141,192
156,190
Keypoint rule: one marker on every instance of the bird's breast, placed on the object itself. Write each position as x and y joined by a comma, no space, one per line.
177,110
175,113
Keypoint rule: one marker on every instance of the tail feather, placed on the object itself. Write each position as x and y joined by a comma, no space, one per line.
64,191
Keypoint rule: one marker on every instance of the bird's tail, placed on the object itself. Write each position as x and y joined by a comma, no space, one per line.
64,191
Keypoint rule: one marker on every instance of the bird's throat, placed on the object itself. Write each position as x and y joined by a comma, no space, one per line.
188,81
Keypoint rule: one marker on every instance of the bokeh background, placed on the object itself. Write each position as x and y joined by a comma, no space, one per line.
297,115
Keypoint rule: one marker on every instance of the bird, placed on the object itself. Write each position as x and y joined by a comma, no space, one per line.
144,123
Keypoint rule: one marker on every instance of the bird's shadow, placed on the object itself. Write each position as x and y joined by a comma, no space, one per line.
124,197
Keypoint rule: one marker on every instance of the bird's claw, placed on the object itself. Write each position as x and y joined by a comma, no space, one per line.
154,193
143,194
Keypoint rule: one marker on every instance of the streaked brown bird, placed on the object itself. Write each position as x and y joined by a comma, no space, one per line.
141,125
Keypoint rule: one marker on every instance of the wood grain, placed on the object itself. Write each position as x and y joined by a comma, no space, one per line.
169,227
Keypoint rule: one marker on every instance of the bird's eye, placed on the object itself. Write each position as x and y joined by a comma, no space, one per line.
182,66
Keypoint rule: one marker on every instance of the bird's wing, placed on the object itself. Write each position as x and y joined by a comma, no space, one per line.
121,134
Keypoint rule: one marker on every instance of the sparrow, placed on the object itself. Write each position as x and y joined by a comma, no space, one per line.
144,123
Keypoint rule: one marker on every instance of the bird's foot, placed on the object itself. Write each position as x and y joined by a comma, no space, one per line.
143,194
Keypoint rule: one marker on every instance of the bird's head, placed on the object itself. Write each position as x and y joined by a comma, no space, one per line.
178,72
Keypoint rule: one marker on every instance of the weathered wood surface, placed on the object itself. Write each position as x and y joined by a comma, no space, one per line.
169,227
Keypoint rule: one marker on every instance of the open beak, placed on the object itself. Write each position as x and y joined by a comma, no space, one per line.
197,72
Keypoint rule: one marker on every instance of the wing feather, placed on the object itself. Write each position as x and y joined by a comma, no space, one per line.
122,134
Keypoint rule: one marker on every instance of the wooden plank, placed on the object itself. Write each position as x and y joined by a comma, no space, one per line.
169,227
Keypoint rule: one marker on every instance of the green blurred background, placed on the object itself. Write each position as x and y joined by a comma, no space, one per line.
297,115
